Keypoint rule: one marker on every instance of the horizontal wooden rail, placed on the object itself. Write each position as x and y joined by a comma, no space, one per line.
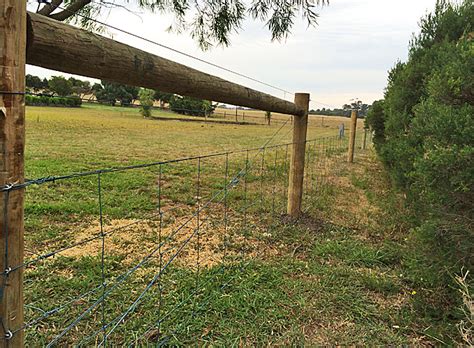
62,47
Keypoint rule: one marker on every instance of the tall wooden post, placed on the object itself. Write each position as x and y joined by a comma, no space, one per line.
350,155
12,142
236,114
364,144
300,125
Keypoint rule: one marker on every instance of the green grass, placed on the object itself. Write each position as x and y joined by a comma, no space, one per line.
349,272
93,136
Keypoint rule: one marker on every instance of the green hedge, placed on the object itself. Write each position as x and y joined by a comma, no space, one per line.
424,127
44,100
191,106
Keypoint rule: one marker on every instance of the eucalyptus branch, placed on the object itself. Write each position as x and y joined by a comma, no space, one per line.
71,10
49,8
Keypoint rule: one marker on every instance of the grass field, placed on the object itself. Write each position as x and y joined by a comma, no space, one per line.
346,273
57,137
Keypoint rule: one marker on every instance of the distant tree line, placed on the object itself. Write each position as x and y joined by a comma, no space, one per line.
329,112
59,91
345,111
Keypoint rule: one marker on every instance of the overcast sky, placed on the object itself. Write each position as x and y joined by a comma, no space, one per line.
346,56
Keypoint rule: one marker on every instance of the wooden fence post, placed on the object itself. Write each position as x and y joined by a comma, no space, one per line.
12,141
295,188
364,144
350,156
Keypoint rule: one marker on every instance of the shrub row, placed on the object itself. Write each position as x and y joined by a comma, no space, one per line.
424,127
191,106
44,100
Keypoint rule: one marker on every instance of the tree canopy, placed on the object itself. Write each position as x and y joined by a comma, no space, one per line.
210,22
60,86
34,82
191,106
111,92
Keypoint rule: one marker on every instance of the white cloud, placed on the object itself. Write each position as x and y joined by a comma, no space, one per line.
347,55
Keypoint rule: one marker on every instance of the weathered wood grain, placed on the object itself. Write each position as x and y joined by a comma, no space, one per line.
300,126
352,137
12,143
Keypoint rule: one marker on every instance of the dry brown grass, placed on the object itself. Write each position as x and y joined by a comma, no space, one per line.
353,207
466,325
130,239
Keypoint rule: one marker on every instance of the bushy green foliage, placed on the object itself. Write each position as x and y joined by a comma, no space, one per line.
162,97
375,120
60,86
79,87
34,82
44,100
146,101
111,93
424,129
425,133
191,106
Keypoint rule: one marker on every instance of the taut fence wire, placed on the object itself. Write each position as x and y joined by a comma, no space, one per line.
146,249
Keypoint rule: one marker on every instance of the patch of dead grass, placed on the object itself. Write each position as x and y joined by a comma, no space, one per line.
133,239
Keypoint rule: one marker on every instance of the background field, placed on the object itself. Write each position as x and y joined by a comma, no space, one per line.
343,274
63,140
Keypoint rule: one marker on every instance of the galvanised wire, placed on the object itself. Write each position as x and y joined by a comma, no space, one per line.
103,234
101,171
135,304
233,182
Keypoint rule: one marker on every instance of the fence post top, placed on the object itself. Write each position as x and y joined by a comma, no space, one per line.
302,101
302,95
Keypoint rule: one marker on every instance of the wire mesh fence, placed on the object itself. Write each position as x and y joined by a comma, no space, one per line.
138,254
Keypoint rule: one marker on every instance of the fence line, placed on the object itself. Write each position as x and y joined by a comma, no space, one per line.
109,245
231,117
272,168
103,234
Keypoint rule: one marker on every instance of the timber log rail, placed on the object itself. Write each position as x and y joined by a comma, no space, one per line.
58,46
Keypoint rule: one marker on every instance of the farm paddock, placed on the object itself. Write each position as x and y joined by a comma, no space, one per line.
344,273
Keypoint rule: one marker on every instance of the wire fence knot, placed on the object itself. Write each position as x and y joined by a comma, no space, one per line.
8,187
8,335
